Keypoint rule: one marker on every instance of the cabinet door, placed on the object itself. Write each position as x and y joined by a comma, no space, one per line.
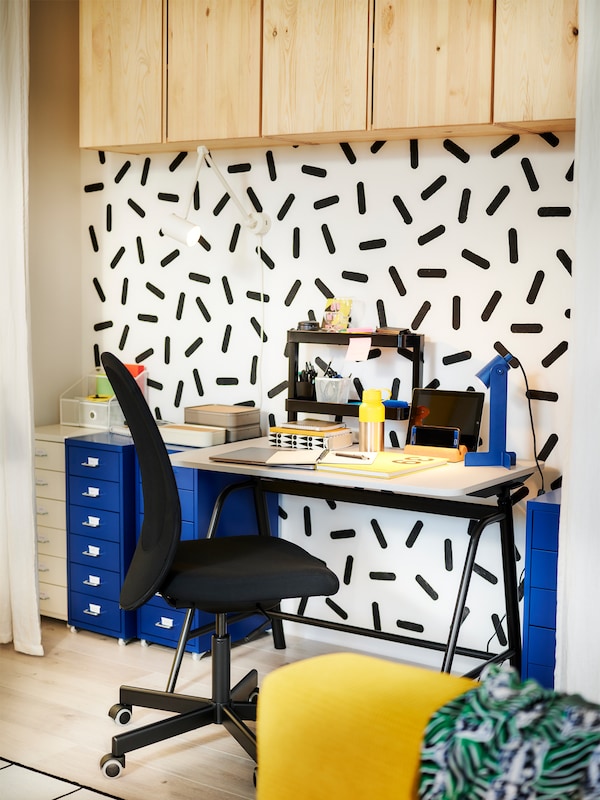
536,59
213,69
315,66
433,63
120,72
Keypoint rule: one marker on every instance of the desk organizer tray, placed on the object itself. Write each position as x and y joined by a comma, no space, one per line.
192,435
222,415
242,432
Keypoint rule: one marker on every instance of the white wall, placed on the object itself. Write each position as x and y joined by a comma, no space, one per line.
54,203
193,316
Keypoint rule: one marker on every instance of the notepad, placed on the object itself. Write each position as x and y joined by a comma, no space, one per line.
387,464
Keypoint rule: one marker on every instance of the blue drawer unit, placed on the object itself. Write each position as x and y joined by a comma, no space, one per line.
539,611
160,623
100,476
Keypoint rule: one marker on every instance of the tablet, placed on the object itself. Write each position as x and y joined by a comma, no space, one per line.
448,409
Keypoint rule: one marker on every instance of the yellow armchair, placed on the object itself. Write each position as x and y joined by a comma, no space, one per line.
346,726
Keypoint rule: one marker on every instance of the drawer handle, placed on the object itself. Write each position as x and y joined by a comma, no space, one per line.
41,482
92,552
43,568
43,540
91,492
41,453
91,462
93,610
41,511
165,622
93,580
92,522
44,596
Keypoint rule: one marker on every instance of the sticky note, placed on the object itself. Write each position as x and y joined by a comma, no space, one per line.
358,348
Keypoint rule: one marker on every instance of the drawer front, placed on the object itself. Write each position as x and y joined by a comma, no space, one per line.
93,582
51,542
94,613
542,673
100,524
53,600
186,499
52,570
50,513
544,534
94,553
50,484
160,621
184,477
49,455
542,646
93,493
543,568
90,461
542,608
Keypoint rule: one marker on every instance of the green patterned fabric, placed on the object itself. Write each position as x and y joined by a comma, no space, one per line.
507,740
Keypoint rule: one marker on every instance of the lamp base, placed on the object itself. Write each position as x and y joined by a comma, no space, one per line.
495,458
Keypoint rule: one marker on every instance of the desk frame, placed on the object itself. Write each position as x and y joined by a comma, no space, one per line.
421,492
480,516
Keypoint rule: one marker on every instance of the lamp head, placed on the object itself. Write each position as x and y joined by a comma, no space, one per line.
497,364
181,230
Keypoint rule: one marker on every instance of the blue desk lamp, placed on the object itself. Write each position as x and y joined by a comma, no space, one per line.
495,376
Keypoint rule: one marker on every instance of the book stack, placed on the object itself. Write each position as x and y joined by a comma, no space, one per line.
311,434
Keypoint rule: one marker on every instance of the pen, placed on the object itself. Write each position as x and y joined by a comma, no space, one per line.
358,456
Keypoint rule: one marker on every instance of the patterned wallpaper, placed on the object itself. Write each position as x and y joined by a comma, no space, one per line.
467,241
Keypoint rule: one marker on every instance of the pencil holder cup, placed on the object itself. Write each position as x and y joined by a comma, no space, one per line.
305,390
332,390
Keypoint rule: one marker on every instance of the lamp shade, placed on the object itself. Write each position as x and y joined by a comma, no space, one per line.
181,230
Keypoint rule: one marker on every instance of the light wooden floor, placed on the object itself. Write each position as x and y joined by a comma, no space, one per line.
53,714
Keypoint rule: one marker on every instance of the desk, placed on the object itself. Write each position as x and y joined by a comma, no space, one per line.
450,490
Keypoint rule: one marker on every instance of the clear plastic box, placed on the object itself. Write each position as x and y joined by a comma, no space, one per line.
88,404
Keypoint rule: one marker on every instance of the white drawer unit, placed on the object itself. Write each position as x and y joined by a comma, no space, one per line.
51,528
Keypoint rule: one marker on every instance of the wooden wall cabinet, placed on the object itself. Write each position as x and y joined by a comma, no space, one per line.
120,72
316,68
172,74
536,64
432,63
213,81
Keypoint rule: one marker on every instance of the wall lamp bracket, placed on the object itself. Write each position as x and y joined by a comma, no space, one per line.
188,233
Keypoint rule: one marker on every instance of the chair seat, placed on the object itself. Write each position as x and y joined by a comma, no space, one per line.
217,575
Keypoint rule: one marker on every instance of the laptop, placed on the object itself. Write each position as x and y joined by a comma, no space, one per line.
271,457
442,408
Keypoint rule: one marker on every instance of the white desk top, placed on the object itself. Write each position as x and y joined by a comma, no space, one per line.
447,481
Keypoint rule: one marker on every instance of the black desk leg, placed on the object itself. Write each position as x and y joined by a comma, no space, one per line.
511,591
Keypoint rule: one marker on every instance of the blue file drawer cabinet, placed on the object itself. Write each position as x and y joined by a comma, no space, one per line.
159,622
100,476
539,612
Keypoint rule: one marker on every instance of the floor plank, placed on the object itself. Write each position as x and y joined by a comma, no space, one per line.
55,714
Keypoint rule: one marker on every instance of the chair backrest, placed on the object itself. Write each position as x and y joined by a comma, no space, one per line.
161,527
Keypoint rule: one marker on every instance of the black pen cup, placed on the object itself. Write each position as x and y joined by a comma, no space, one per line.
305,390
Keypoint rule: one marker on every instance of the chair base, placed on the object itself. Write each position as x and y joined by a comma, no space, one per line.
229,706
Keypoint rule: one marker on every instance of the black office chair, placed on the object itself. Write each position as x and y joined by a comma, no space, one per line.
221,576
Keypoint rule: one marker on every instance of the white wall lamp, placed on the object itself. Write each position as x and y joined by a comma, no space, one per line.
186,232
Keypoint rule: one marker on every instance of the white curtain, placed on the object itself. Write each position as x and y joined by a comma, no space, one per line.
578,622
19,614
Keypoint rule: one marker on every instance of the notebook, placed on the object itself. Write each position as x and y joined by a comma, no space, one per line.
271,457
388,464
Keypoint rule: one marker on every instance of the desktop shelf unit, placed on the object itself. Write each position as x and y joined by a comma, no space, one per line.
407,345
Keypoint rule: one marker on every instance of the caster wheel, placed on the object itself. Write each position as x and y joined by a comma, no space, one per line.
112,766
121,714
72,628
145,643
253,696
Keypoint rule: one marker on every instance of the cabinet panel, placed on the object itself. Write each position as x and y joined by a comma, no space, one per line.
120,72
535,60
214,69
315,66
433,63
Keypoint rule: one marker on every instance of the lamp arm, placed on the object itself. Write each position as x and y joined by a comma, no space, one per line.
257,222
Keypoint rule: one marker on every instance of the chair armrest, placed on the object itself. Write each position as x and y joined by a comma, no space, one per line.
346,725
